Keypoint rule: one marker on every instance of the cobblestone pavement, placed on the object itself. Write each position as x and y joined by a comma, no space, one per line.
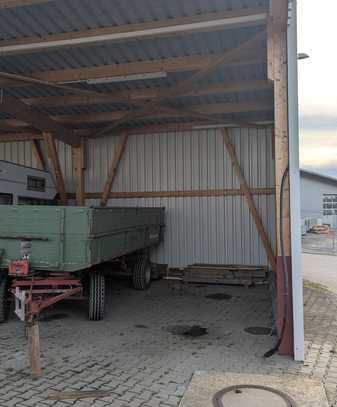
133,353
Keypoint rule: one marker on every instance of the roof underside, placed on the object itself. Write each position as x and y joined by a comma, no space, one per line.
233,91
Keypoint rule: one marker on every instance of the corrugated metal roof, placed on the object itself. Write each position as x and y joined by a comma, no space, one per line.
75,15
129,51
255,71
61,16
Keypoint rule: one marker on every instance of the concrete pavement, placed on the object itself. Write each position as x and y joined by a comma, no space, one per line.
320,269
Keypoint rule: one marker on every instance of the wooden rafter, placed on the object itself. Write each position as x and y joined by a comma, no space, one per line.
7,128
37,152
14,79
24,136
150,29
157,112
190,83
145,129
178,64
20,3
249,198
78,164
135,96
35,118
113,170
56,167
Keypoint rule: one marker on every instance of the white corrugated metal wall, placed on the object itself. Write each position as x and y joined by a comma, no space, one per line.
198,229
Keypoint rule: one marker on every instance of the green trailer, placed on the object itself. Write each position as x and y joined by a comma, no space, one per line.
40,243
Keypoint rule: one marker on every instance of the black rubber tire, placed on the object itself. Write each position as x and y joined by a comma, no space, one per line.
141,273
4,304
96,296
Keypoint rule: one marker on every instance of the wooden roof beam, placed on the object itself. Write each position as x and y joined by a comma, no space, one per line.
145,129
153,29
160,112
36,119
232,55
134,96
20,3
169,65
10,137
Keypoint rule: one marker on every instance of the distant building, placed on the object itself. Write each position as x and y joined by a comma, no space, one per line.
318,197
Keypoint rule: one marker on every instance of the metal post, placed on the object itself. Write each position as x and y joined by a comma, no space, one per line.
294,177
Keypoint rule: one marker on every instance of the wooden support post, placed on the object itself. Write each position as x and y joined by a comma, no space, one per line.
281,135
249,198
34,349
278,73
37,152
57,172
113,171
78,164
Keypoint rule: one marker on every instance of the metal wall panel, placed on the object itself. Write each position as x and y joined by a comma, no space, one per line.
198,229
182,161
205,229
19,152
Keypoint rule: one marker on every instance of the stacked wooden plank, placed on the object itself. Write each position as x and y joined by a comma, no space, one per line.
226,274
320,229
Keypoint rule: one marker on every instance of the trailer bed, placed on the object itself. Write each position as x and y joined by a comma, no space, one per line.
69,239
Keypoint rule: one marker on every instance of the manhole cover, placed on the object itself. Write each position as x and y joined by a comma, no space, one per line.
258,330
252,396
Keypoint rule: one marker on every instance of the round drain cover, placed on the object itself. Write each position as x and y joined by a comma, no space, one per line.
252,396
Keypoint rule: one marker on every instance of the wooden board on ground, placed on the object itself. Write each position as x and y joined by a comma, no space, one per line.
320,229
69,395
225,274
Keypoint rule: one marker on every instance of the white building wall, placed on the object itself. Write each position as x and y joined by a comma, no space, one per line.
312,191
198,229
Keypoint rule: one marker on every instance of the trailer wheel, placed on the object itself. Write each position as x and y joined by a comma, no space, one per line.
141,273
96,296
4,305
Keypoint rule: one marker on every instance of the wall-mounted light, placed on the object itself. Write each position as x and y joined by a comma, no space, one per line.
302,55
121,78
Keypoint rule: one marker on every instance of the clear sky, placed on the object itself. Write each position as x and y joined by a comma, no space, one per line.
317,36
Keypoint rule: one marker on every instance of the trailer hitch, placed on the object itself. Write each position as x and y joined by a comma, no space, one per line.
33,295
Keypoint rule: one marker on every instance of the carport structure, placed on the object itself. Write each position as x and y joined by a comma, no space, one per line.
189,105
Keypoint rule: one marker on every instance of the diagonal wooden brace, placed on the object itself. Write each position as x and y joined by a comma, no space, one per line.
249,198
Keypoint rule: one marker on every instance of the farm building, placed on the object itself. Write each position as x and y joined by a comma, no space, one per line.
318,196
190,106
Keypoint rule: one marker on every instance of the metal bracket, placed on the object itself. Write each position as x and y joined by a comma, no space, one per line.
20,303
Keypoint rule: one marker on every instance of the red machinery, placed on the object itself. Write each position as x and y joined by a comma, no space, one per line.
33,294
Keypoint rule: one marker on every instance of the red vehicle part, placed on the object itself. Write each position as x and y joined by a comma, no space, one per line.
18,268
33,295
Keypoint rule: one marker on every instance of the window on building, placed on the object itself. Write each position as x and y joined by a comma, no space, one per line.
329,204
36,184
